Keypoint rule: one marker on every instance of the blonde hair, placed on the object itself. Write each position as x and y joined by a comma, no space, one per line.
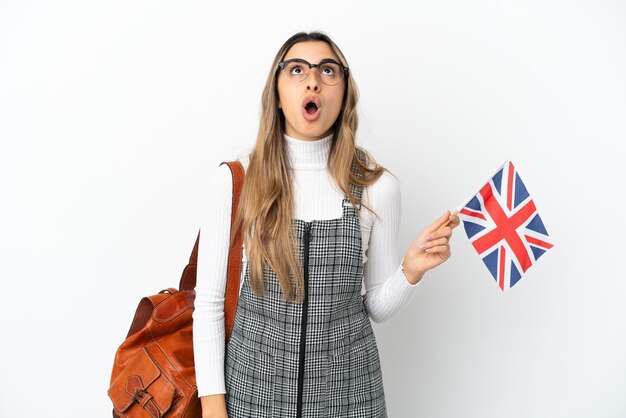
266,206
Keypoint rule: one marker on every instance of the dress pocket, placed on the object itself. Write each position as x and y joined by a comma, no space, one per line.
355,384
250,377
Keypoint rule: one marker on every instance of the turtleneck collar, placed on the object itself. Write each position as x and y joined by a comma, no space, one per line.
308,155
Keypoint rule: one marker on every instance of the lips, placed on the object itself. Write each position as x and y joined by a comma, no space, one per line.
311,108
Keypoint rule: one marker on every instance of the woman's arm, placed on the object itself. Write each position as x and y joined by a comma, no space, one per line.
208,316
214,406
430,248
387,289
388,285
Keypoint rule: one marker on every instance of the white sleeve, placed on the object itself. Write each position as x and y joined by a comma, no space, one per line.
208,316
387,290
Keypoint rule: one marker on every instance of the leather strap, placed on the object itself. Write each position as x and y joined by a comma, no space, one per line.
235,253
142,397
188,281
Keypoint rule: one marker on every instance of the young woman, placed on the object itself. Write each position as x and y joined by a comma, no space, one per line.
320,224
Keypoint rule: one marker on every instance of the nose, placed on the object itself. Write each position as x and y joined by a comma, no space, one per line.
312,83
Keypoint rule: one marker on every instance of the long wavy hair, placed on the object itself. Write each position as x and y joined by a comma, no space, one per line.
266,206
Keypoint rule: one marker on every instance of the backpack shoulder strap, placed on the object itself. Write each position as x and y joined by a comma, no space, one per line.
235,253
188,279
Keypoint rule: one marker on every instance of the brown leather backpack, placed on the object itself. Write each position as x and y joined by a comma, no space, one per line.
153,373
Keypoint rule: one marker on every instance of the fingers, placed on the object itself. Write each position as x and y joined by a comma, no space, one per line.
442,232
436,237
439,246
443,250
439,222
428,246
454,221
447,219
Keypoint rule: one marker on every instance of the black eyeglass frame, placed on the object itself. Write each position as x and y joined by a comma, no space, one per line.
282,64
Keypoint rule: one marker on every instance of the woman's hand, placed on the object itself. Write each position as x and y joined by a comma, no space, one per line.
213,406
429,249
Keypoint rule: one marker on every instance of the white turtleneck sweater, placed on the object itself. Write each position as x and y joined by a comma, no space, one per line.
385,288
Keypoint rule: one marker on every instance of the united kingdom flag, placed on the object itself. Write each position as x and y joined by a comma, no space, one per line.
502,223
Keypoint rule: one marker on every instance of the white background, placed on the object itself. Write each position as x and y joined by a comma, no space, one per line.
113,113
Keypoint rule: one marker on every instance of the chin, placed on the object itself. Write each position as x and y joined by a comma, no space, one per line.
321,134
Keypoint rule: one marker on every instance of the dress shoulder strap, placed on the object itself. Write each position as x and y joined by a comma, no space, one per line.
356,190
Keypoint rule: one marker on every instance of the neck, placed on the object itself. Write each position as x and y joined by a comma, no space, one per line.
308,155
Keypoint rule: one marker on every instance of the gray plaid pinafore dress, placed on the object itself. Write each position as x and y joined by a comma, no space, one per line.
317,358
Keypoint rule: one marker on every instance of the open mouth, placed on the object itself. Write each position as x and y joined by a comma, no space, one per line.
311,108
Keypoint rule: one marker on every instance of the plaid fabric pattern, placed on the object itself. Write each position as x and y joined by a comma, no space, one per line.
342,375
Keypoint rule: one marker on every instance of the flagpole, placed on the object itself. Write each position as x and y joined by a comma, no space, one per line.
455,212
462,205
459,208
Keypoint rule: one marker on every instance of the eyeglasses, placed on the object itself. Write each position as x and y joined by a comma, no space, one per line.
298,70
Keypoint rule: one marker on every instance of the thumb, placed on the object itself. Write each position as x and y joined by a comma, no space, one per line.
435,225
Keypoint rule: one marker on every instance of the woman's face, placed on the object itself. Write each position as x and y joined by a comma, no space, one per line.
310,106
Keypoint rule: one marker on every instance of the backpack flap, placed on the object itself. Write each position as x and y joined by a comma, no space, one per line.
140,385
174,306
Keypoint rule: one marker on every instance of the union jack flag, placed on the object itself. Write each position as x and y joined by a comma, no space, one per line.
502,223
